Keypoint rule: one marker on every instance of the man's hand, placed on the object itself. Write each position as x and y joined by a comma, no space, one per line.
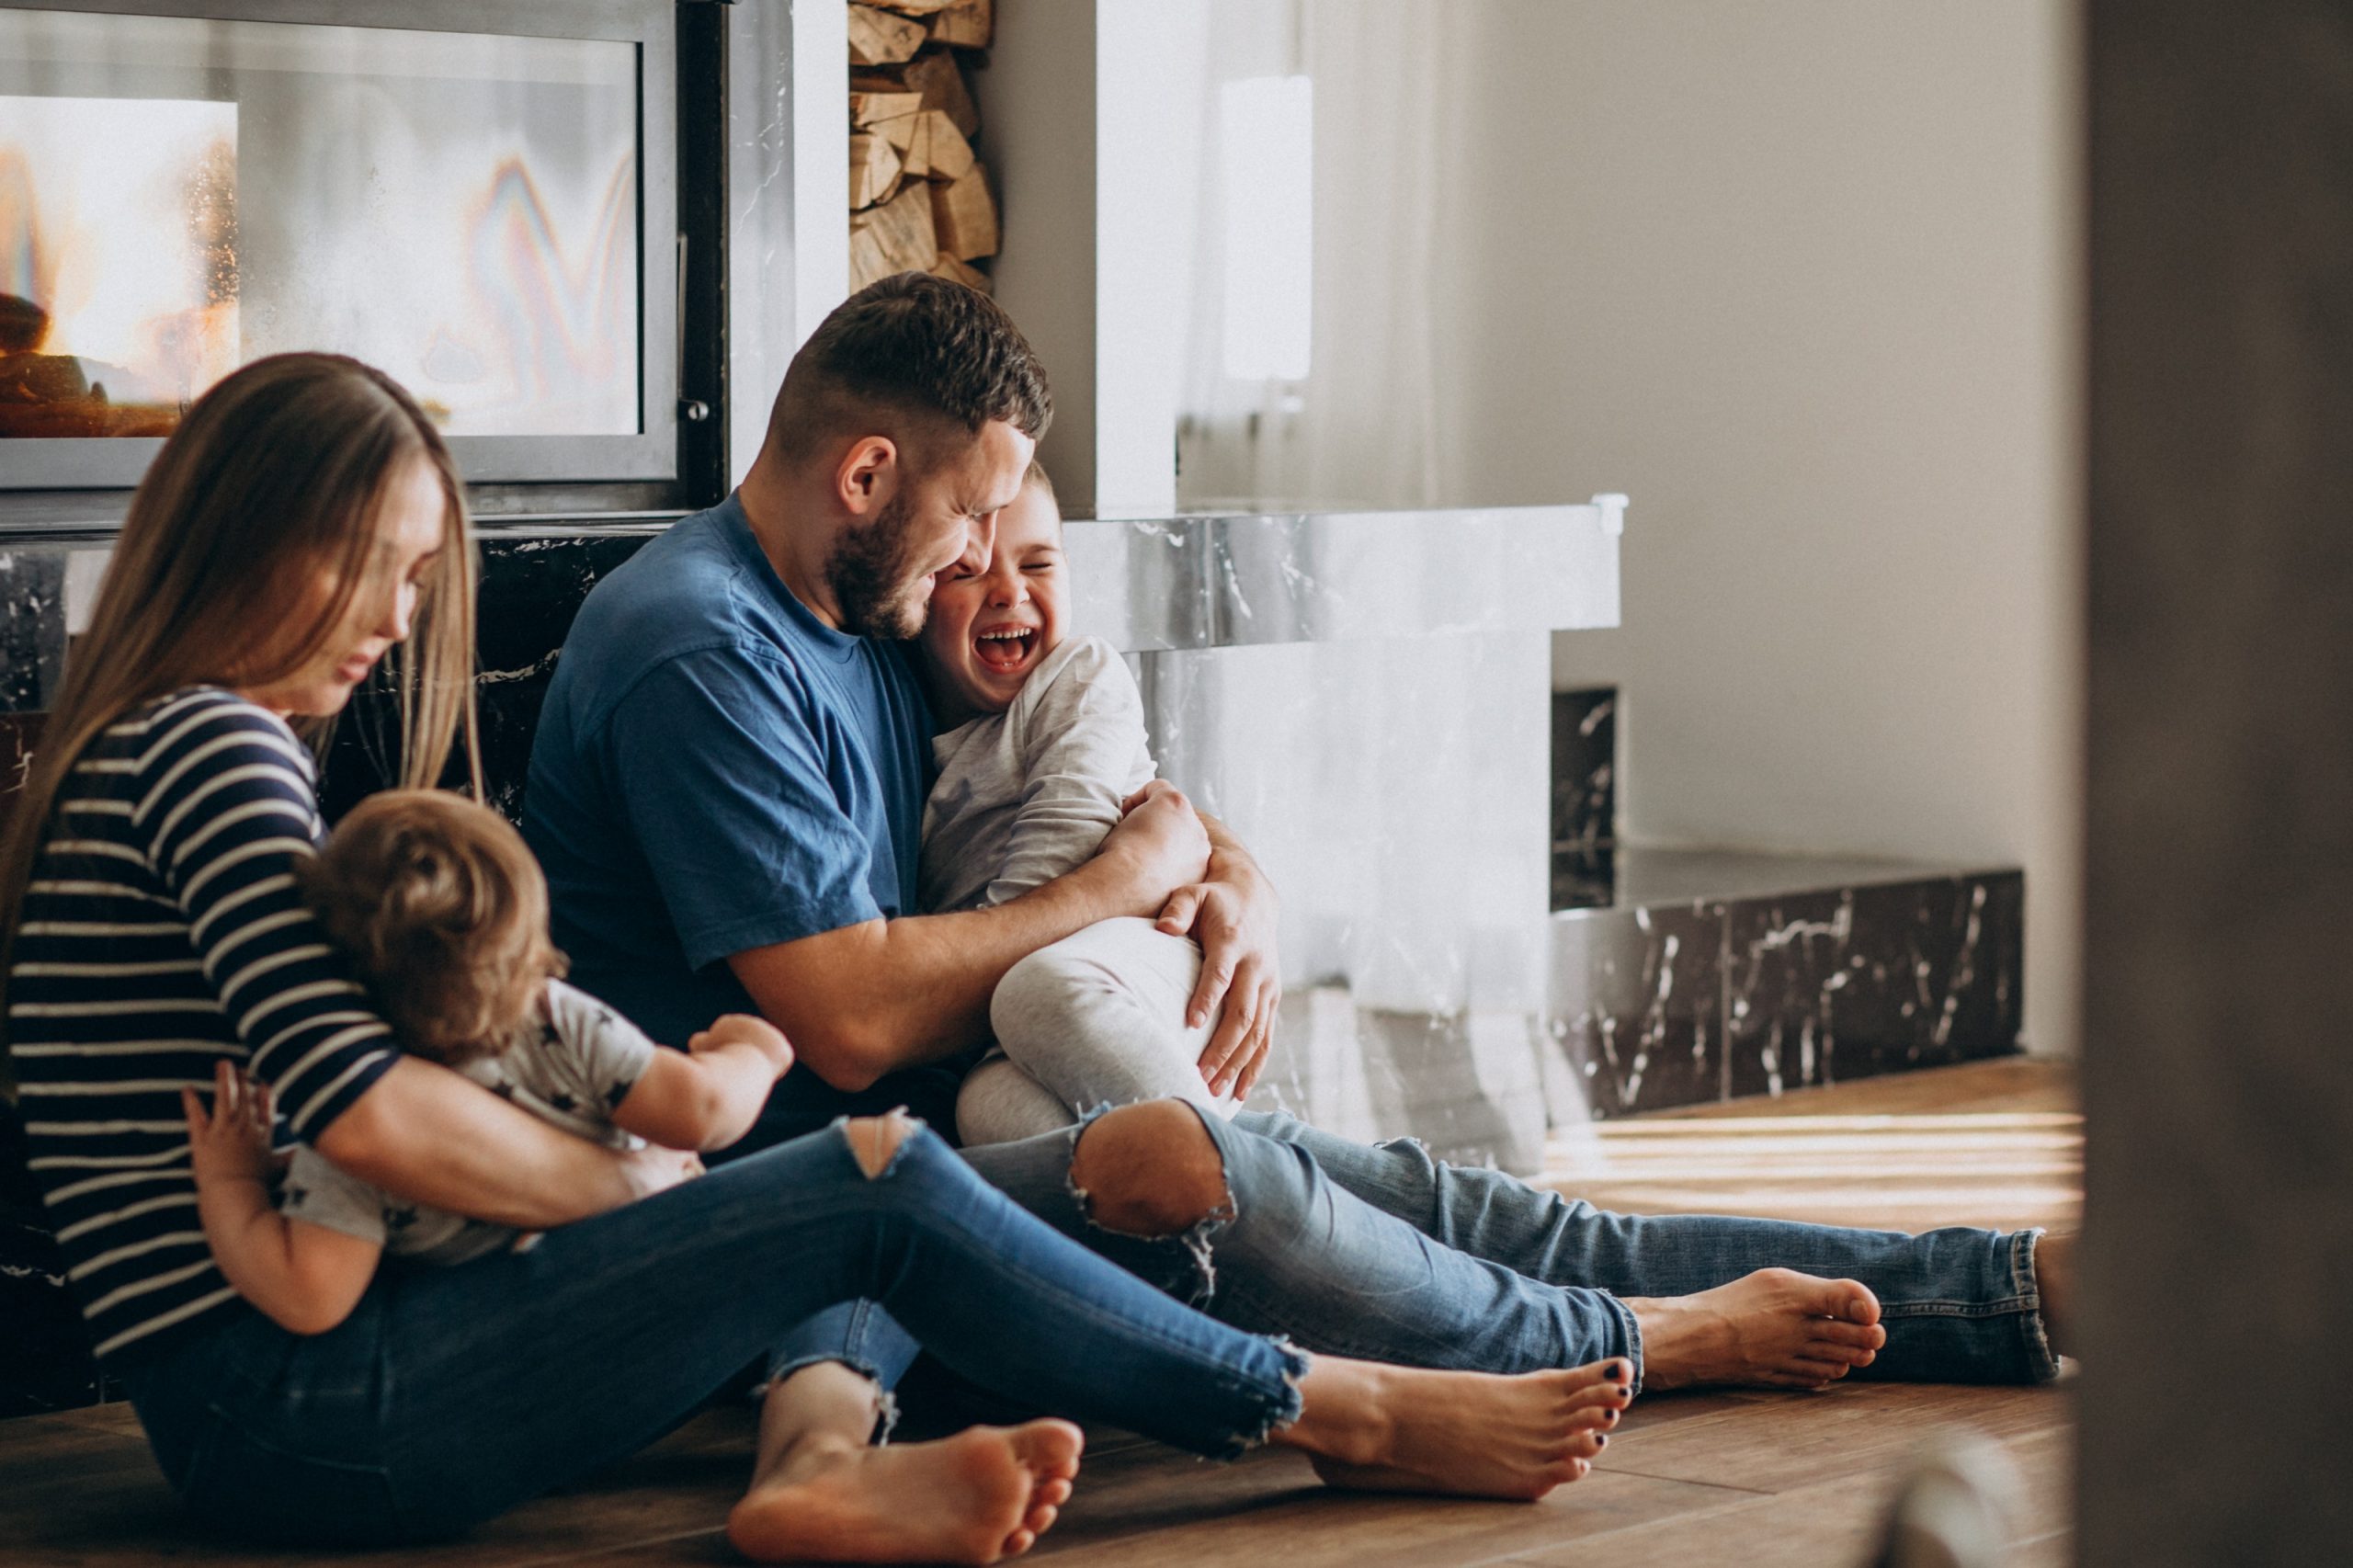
1233,915
1160,842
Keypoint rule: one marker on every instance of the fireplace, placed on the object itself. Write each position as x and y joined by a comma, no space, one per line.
481,197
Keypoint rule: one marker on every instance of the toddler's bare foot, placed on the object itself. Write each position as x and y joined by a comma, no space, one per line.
1475,1434
1775,1328
978,1497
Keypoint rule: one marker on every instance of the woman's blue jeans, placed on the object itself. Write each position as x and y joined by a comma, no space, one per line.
452,1394
1376,1250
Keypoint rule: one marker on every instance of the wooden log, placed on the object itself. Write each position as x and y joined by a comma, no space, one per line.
935,74
963,215
879,38
869,262
874,169
915,159
967,23
890,102
946,155
903,228
947,265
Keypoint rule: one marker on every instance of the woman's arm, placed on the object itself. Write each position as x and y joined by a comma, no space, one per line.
427,1134
306,1278
226,792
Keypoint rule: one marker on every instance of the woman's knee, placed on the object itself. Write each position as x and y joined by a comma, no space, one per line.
874,1141
1150,1169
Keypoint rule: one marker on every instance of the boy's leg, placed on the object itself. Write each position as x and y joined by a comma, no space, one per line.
1960,1305
1001,1104
1098,1019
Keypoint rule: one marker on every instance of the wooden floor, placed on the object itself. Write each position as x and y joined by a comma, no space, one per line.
1749,1479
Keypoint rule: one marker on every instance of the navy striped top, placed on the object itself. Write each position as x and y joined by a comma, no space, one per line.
162,931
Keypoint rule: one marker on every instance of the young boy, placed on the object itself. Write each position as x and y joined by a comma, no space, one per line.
445,912
1048,741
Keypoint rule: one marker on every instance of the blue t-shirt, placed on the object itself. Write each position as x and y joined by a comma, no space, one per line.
715,770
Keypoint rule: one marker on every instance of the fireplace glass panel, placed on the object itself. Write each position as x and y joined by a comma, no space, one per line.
179,197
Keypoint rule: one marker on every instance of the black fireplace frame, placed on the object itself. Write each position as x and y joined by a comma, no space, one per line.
677,462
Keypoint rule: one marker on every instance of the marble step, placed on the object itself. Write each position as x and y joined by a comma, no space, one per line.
1680,977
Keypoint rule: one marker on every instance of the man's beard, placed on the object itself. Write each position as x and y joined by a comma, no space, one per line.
873,574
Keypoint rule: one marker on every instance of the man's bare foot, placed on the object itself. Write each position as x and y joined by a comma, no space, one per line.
1402,1429
1775,1328
981,1496
2054,1277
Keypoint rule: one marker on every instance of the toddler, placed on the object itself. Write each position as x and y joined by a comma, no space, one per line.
1048,741
445,912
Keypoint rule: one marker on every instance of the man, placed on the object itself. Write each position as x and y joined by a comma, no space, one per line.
726,791
728,782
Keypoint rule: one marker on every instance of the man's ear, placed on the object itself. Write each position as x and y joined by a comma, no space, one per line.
867,474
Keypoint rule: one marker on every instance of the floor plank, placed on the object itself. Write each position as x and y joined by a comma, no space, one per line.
1752,1478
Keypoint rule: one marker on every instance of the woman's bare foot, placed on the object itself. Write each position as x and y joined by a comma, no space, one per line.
1775,1328
981,1496
1401,1429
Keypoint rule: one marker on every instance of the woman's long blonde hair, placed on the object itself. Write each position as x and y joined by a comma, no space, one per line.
275,474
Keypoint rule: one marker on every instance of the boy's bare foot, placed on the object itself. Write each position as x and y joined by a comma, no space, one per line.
978,1497
1775,1328
1475,1433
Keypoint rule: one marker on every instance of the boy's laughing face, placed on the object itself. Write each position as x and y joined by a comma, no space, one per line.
994,621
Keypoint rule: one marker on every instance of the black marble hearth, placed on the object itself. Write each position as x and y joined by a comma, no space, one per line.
1585,795
1708,974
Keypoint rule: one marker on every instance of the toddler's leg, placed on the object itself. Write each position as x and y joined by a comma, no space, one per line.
1099,1018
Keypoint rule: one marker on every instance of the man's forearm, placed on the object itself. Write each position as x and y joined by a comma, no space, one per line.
424,1133
869,1000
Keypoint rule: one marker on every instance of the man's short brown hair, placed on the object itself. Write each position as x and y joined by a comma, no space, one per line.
907,357
442,908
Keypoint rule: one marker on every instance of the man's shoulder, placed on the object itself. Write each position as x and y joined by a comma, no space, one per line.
682,599
680,588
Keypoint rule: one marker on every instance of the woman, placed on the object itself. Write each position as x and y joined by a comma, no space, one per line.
302,525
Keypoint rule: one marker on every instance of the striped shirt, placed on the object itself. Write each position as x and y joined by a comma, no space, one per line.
162,931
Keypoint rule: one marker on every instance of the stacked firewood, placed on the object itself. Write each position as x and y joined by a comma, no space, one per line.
920,200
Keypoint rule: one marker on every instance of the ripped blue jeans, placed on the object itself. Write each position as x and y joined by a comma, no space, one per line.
1376,1250
452,1394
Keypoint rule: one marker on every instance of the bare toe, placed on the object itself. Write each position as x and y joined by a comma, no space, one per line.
1854,1302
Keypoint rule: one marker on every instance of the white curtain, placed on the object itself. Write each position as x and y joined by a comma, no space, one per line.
1361,426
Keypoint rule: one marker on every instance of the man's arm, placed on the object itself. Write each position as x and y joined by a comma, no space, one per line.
868,999
1232,912
427,1134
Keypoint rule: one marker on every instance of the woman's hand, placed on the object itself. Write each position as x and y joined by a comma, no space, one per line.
655,1169
231,1144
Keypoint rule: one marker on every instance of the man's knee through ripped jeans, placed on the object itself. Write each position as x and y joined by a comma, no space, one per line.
1150,1170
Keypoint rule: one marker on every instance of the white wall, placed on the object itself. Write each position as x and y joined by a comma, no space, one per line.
1802,277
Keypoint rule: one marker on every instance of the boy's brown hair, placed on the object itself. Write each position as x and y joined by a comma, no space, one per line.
442,907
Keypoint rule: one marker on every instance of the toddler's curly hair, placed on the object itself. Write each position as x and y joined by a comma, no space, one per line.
445,911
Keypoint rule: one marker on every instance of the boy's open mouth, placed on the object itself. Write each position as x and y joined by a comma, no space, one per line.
1005,649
